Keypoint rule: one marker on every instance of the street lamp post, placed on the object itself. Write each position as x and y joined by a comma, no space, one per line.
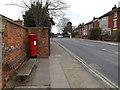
70,34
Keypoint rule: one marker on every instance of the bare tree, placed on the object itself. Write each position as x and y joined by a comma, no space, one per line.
62,23
68,28
41,8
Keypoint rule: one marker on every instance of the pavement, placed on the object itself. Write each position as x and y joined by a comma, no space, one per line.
60,70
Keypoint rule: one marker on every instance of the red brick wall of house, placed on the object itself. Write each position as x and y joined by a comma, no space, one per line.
96,24
42,41
110,22
118,22
14,45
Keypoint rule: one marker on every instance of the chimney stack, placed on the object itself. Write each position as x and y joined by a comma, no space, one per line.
114,7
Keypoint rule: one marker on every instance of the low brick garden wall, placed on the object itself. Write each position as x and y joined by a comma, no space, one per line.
14,45
43,40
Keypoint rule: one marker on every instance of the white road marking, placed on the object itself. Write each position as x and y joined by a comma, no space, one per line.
109,50
89,45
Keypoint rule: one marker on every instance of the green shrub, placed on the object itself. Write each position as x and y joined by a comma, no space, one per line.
95,33
66,35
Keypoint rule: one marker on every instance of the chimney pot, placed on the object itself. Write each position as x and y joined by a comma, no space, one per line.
114,7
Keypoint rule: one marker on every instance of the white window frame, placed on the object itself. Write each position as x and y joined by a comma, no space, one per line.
114,29
115,23
115,14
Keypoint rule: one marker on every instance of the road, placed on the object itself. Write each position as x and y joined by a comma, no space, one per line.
100,56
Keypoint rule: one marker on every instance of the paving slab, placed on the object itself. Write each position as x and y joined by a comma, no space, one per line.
79,77
60,85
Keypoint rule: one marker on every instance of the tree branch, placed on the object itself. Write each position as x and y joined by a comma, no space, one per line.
25,4
14,4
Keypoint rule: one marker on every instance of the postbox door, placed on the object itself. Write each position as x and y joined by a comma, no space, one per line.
33,46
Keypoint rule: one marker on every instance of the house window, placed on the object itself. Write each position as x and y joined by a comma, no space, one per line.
104,18
115,14
115,23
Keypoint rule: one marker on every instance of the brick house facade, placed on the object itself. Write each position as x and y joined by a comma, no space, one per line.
109,23
114,21
118,22
83,30
114,18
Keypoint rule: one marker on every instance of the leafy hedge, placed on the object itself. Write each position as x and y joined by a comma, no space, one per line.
95,33
66,35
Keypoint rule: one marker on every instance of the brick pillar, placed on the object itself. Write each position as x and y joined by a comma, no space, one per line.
2,27
43,43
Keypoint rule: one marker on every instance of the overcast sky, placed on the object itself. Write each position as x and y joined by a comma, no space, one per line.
80,10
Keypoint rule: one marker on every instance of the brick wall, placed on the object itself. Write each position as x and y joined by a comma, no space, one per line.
1,31
14,44
118,22
19,22
43,45
32,30
110,21
96,24
0,60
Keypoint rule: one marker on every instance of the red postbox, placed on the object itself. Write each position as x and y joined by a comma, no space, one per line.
32,45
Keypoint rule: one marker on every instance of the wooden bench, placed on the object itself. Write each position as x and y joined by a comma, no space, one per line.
25,69
11,64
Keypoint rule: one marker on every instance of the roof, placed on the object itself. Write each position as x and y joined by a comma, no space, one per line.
110,12
89,22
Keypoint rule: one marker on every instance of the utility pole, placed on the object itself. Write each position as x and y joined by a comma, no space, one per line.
70,34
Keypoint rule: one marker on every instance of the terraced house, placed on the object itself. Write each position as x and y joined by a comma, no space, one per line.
109,23
114,20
